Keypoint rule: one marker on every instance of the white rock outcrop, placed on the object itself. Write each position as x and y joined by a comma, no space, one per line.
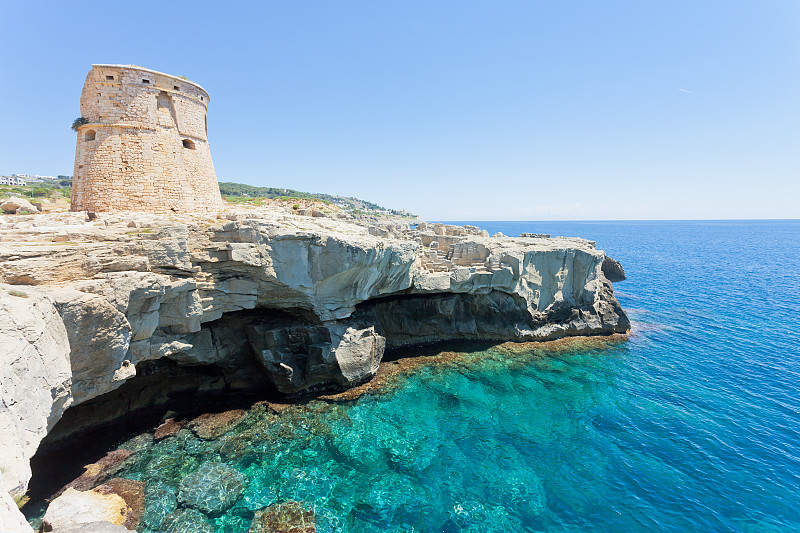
35,382
17,204
76,508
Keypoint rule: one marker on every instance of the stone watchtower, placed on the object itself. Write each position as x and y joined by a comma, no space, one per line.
145,146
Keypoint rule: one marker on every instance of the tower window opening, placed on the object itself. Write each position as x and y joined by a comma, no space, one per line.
188,144
201,98
145,81
110,78
89,135
176,87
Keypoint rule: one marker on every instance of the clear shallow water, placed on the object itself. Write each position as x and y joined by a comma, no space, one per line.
692,425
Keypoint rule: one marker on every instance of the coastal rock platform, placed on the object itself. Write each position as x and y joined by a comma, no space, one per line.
258,299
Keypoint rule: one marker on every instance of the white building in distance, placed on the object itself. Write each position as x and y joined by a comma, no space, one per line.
12,180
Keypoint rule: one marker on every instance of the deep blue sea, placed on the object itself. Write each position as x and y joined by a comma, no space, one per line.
691,425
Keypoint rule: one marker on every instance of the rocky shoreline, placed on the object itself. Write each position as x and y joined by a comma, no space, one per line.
103,313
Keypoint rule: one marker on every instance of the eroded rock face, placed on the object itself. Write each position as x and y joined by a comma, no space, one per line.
10,517
35,379
300,356
266,299
613,270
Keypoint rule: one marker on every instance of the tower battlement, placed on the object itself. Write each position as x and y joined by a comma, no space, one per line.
145,146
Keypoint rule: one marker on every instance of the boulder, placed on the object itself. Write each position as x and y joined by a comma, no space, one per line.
169,466
15,204
286,517
160,500
132,492
186,521
74,507
613,270
212,488
358,352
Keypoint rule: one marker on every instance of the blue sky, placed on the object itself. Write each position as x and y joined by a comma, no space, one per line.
455,110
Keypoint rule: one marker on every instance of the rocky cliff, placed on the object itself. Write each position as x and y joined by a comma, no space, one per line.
266,298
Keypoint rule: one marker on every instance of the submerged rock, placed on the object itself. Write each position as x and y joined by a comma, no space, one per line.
96,473
186,521
139,443
212,488
160,500
213,425
171,464
129,490
168,428
286,517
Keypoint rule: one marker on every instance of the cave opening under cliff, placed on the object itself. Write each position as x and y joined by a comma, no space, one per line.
230,372
162,388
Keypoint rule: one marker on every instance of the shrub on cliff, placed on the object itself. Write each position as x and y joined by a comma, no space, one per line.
78,122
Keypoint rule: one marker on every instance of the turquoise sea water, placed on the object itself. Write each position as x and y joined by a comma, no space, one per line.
692,425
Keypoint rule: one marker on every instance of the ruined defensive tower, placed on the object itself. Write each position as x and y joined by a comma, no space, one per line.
145,146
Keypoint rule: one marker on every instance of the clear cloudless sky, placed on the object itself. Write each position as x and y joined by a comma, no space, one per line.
454,110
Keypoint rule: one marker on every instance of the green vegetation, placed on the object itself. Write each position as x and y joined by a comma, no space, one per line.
78,122
240,193
236,193
18,294
46,189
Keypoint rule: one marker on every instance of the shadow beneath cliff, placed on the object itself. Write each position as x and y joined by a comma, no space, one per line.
436,348
161,389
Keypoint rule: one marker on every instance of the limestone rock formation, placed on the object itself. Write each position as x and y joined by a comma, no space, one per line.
16,204
10,517
74,508
35,381
613,271
264,299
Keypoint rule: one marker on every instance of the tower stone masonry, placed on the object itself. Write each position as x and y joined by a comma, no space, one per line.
145,146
